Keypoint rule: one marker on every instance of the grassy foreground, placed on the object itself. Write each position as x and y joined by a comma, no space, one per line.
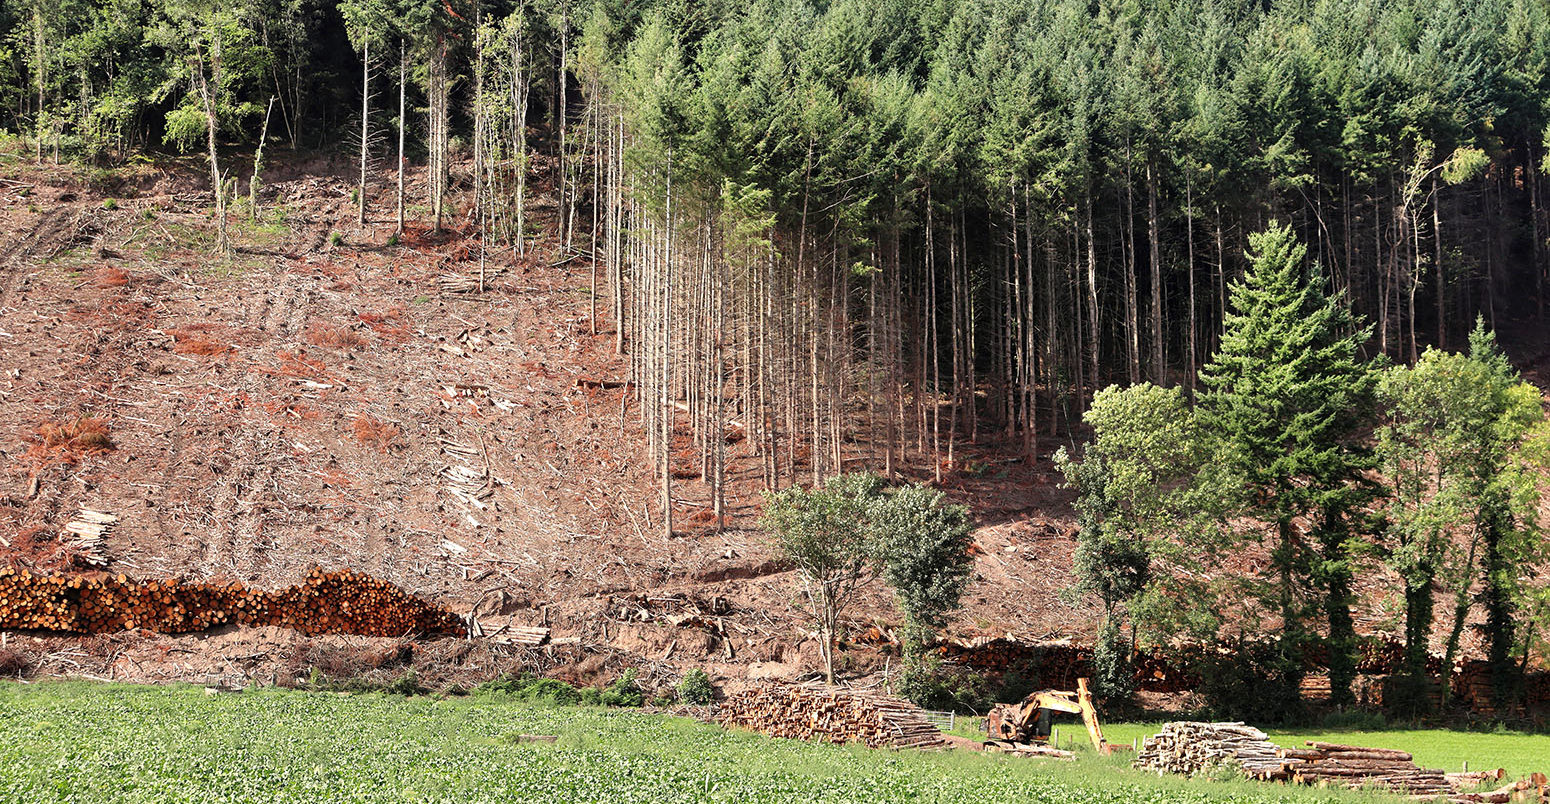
84,743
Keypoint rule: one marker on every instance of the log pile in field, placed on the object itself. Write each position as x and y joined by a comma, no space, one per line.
1187,747
341,602
812,712
1355,766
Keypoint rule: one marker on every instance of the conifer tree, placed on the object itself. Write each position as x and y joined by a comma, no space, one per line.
1285,396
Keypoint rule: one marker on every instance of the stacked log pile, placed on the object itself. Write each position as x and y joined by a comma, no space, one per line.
811,712
341,602
1188,748
1356,767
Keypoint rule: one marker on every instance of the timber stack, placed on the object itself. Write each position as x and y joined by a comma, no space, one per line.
813,712
340,602
1353,766
1188,748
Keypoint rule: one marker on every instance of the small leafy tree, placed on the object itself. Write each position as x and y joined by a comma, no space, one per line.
1130,485
695,688
922,543
825,533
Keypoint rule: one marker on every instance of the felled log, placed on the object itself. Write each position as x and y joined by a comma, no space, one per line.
1028,750
812,712
1357,766
341,602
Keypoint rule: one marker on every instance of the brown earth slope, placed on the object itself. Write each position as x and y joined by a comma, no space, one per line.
333,400
324,398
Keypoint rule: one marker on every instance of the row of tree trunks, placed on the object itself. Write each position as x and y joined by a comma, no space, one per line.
340,602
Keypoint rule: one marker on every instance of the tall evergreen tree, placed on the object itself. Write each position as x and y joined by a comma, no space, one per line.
1285,396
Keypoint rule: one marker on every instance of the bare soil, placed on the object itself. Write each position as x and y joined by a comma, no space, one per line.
322,398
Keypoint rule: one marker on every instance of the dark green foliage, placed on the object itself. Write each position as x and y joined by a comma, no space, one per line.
695,688
923,545
1286,395
624,691
407,683
930,683
1248,681
1113,671
532,689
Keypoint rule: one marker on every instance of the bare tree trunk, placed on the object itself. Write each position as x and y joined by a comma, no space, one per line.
403,73
1189,215
1132,318
1092,299
258,164
207,95
1159,356
360,209
439,92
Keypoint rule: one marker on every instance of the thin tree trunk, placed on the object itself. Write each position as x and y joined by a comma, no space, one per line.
207,95
360,209
1159,356
403,73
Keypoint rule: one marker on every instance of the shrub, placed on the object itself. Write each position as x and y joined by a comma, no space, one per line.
695,688
406,684
624,691
14,664
1355,720
1248,682
929,683
532,689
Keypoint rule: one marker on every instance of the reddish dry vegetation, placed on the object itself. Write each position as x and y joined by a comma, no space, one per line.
332,337
109,276
198,339
14,664
66,442
374,432
390,324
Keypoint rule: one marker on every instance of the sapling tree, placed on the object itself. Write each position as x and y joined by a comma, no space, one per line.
922,544
825,533
366,23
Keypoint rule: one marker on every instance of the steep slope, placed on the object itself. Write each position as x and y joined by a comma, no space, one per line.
331,399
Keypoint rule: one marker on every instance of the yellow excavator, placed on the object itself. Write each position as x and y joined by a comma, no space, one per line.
1025,727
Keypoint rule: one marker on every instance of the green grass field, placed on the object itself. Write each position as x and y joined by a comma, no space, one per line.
85,744
1519,754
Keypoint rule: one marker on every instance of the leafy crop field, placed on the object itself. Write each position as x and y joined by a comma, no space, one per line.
85,744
